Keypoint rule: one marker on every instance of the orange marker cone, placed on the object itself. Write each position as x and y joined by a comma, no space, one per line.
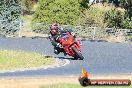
84,74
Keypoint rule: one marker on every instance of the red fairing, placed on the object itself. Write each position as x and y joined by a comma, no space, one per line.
68,41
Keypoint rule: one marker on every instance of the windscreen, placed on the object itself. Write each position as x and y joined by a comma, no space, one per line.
65,36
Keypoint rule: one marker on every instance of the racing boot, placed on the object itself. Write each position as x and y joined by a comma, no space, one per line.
65,53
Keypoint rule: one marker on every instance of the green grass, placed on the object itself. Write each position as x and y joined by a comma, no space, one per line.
18,59
79,86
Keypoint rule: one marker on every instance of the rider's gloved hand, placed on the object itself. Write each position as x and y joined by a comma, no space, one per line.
58,37
73,33
49,36
59,45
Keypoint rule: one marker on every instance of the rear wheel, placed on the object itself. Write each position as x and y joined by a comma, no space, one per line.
78,54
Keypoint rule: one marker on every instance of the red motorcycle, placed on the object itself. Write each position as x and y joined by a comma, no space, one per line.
70,45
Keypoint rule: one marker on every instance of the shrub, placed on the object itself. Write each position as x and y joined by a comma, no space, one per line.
62,11
114,18
27,6
93,17
118,19
10,11
127,24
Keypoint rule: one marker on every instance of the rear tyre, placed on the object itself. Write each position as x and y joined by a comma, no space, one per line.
78,54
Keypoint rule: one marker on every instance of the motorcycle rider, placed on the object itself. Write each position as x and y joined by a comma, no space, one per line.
55,32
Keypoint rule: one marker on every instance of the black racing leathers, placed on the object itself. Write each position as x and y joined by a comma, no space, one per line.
55,42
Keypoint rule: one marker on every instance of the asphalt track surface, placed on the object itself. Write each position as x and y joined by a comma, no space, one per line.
100,57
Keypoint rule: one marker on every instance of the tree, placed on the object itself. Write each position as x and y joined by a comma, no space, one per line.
10,12
116,2
84,4
127,5
27,6
129,9
61,11
129,2
114,18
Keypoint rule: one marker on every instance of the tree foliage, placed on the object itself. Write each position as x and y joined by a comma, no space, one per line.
74,12
116,18
113,18
61,11
93,17
84,4
10,12
27,5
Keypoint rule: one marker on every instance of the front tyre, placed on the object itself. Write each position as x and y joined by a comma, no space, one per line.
78,54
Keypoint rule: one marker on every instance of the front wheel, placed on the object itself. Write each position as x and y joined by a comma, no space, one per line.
78,54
